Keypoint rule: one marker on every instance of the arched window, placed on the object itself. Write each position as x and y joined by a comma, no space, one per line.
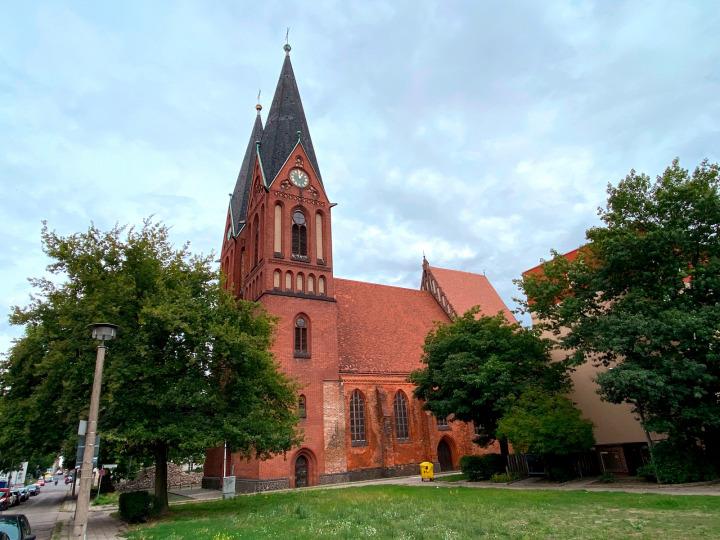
288,281
442,423
302,407
299,282
256,230
311,284
277,232
357,419
299,234
321,285
402,430
319,237
276,279
301,336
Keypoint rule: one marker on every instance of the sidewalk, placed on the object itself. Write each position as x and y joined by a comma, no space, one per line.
101,525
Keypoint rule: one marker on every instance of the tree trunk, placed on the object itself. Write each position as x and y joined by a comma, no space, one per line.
161,484
504,449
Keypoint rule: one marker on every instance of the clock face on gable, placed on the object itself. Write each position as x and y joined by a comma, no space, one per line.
299,178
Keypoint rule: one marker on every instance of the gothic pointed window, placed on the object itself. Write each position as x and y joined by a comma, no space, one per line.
402,430
299,235
357,419
256,230
301,337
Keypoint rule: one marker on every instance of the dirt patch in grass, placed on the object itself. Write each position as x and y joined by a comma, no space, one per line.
443,512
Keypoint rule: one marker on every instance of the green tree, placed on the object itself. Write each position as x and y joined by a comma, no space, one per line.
477,367
546,424
643,296
190,369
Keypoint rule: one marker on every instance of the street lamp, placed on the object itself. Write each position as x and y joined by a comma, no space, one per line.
101,332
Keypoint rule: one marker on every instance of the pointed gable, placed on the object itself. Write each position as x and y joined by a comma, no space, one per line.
458,291
285,119
241,194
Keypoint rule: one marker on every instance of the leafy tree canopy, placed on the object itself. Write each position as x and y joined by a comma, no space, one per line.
643,296
477,366
546,424
190,368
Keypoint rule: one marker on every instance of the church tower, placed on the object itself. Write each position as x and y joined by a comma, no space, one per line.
277,250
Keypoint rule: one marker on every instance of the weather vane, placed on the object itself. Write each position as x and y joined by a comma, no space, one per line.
287,47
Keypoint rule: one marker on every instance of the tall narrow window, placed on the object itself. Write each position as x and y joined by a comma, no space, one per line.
321,285
277,232
311,284
299,283
256,230
319,236
357,418
299,235
301,336
302,407
401,416
276,279
288,281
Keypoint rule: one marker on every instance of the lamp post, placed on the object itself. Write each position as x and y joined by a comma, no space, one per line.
101,332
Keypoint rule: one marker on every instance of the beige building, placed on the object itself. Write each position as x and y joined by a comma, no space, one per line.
621,441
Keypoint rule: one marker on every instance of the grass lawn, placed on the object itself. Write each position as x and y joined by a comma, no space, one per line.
441,512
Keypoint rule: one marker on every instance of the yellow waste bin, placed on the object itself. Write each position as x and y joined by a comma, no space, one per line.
426,471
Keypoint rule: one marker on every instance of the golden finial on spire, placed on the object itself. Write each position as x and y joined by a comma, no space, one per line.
258,107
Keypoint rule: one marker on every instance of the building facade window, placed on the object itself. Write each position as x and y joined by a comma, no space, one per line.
311,284
301,337
276,279
357,419
402,430
321,285
302,407
277,232
442,423
299,235
288,281
319,237
256,230
299,283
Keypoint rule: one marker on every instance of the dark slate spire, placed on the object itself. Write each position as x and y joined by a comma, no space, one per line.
285,119
241,193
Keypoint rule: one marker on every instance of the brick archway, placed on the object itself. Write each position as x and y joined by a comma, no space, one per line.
304,469
446,454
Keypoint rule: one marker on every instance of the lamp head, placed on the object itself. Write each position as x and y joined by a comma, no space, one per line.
104,331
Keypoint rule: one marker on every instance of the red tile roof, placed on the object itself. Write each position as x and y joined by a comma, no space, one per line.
381,329
465,290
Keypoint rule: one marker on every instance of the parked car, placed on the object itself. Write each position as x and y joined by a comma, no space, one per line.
16,526
41,481
4,536
16,495
33,489
7,499
24,494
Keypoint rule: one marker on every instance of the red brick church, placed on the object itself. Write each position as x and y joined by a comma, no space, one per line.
350,345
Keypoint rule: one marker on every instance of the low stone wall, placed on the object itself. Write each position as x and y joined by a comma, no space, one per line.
246,485
176,478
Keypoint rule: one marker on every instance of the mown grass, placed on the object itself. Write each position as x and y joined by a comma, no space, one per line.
441,512
105,498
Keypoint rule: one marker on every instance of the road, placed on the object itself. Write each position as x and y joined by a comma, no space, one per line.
42,510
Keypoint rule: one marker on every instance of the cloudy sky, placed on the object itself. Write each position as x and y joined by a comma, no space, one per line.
482,133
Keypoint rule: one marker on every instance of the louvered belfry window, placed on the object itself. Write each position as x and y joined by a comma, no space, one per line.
357,418
299,234
402,430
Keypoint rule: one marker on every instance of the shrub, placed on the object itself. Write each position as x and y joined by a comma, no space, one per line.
500,478
677,462
137,506
647,472
607,478
477,468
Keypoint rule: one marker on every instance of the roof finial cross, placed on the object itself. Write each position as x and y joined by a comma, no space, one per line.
287,47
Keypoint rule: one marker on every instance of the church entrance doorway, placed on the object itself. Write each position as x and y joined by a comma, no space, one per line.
444,454
301,471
